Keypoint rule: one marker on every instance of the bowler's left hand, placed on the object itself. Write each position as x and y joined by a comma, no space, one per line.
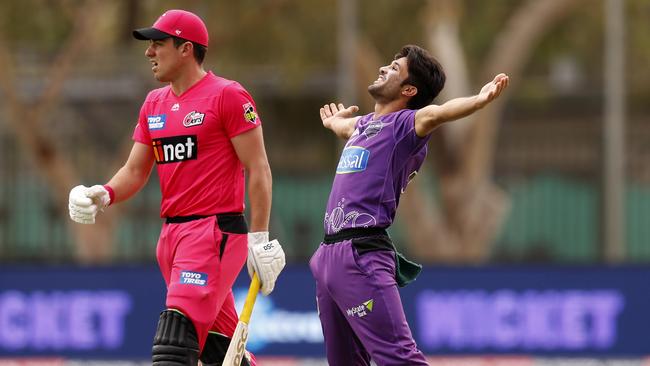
493,89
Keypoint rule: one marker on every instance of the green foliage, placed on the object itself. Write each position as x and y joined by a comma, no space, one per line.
294,39
480,22
581,38
288,43
638,52
40,24
391,24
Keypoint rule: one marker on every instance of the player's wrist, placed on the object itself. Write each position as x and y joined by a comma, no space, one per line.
258,237
111,194
479,102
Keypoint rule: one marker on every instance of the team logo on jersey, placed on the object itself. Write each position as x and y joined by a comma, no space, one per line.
157,122
193,278
373,129
174,149
361,310
193,118
354,159
176,107
249,113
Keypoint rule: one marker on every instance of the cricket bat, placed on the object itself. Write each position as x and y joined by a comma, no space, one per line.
237,346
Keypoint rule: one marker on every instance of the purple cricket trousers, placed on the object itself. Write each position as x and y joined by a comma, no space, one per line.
360,308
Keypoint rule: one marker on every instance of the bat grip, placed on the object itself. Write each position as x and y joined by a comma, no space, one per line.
250,299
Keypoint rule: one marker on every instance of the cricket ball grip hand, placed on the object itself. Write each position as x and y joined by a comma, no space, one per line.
85,202
266,258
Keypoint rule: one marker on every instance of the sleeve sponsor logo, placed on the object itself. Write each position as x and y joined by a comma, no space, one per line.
249,113
157,122
193,278
354,159
193,118
175,149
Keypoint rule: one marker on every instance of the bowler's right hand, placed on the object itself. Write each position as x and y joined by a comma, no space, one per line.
84,203
331,112
339,119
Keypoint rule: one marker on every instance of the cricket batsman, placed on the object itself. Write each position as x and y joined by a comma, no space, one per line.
204,135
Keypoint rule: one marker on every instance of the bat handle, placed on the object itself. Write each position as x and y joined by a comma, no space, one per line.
250,299
237,346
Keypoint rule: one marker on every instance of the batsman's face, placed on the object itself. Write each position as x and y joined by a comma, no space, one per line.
388,85
165,59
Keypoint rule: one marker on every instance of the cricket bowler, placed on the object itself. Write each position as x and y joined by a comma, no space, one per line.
356,267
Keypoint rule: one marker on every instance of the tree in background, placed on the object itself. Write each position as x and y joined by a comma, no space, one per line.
25,117
460,223
287,42
472,208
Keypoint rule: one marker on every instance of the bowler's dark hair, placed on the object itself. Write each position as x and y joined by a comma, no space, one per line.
199,50
425,73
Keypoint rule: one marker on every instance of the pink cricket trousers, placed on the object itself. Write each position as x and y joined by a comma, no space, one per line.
200,260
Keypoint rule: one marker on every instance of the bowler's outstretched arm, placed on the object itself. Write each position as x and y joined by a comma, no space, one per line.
430,117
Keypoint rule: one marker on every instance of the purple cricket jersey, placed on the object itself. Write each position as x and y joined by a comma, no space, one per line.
377,163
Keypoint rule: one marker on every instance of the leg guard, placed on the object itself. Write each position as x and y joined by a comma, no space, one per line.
215,349
175,342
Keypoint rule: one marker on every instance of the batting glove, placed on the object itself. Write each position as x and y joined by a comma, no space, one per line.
266,258
84,203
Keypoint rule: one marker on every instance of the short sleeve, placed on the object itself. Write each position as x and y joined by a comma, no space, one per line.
404,130
141,131
238,110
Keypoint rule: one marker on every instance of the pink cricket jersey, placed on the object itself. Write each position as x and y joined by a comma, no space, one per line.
190,134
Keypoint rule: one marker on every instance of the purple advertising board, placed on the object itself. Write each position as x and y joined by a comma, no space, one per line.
111,312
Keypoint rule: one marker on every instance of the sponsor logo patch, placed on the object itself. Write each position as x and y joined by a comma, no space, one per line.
193,278
193,118
175,149
249,113
157,122
354,159
176,107
361,310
